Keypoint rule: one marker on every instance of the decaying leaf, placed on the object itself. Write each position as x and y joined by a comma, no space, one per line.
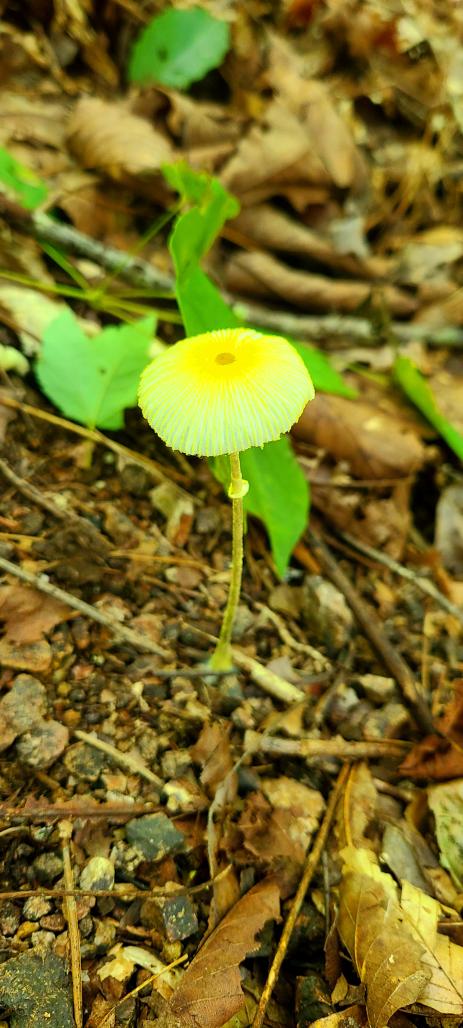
108,137
446,803
393,939
440,756
210,991
259,274
376,444
28,614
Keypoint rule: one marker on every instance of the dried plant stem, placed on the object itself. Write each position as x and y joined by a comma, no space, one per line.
222,658
70,913
324,749
310,867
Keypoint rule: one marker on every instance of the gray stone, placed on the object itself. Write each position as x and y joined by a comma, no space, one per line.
47,867
97,874
154,836
173,915
36,907
43,941
43,744
85,762
26,703
390,722
10,917
377,688
175,763
105,935
35,989
326,613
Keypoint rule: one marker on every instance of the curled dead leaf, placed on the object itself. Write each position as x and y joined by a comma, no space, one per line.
259,274
210,991
108,137
374,442
28,615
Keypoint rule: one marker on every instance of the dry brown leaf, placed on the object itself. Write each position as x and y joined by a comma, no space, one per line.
351,1017
28,614
210,991
108,137
270,228
440,757
433,757
394,941
329,134
387,958
376,443
274,154
358,809
259,274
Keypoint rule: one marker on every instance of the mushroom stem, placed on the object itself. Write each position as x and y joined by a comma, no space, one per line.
221,659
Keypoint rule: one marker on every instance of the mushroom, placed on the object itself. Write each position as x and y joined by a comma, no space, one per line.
220,393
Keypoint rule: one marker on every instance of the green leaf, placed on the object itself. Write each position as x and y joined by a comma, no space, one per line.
179,47
420,393
446,803
21,181
197,228
93,380
324,377
278,494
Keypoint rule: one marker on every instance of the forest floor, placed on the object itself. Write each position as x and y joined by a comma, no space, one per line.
309,804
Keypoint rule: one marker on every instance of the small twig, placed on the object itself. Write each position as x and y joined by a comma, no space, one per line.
123,759
323,749
76,810
70,913
122,890
129,635
309,870
419,581
329,326
267,680
287,638
366,617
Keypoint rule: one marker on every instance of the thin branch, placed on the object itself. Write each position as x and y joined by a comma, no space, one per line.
421,583
309,870
123,759
128,635
323,749
70,913
142,274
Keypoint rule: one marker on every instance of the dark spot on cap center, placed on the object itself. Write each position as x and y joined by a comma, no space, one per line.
225,358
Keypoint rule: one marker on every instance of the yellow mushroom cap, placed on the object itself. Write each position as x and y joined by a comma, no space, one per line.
224,391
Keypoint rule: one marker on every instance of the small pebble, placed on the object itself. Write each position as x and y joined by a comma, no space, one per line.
10,917
84,762
36,907
45,742
47,867
326,613
97,874
377,688
154,836
172,915
175,763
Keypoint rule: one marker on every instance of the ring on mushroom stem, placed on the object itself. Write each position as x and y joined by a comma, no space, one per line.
220,393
